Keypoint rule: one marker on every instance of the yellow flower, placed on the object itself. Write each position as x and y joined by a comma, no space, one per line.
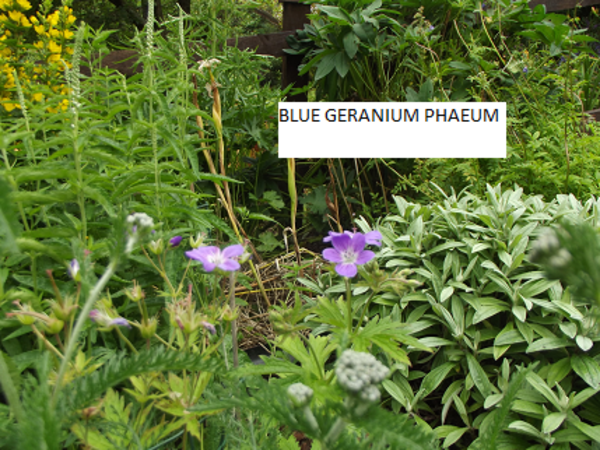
4,4
24,4
71,19
68,34
38,96
39,29
39,45
54,32
10,106
3,17
54,47
54,58
69,50
15,16
53,19
33,19
25,21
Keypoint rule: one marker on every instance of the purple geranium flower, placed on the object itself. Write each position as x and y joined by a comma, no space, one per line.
212,257
371,238
175,241
348,252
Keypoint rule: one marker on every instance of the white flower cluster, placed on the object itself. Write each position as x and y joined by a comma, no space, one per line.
358,373
142,220
299,394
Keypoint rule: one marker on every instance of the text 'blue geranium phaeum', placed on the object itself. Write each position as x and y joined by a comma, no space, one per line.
348,252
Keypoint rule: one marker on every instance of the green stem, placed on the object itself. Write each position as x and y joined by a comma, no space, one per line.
127,341
81,320
234,342
365,310
348,304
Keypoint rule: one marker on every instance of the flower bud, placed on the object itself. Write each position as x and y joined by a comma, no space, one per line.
175,241
53,325
228,315
135,294
198,241
74,270
299,394
148,328
156,247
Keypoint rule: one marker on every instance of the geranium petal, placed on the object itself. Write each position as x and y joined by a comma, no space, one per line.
364,257
341,242
332,255
229,265
208,266
346,270
201,253
358,242
374,238
233,250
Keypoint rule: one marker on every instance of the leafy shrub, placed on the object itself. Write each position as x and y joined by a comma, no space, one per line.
491,315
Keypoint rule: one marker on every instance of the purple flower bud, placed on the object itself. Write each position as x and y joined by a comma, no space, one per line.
525,70
73,270
209,327
120,322
94,314
175,241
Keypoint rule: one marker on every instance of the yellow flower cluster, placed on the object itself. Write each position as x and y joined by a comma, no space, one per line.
38,66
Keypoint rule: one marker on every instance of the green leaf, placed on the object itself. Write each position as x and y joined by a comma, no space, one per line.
9,224
526,428
351,44
553,421
454,436
434,378
588,369
479,376
549,343
584,342
395,392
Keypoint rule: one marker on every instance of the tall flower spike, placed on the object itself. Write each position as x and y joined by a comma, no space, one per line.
212,257
348,252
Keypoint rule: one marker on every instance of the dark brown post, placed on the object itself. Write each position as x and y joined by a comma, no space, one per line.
294,18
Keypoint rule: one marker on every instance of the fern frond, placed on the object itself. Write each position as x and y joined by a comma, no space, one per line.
81,392
497,422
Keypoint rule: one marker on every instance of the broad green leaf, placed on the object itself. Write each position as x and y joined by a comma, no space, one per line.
479,376
526,428
454,436
540,385
395,392
434,378
584,342
492,400
553,421
558,371
591,431
588,369
549,343
520,313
